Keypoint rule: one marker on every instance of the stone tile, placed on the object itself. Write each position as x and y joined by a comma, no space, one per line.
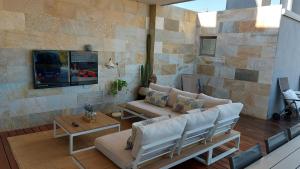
25,6
159,23
246,75
228,27
248,26
206,69
261,64
249,51
224,72
234,85
168,69
12,20
236,62
171,25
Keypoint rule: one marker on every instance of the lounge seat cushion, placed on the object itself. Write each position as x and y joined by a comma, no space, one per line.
228,111
112,146
291,94
210,101
201,119
158,131
175,92
150,110
160,88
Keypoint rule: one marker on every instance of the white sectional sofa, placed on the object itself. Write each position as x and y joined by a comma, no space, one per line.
145,110
172,135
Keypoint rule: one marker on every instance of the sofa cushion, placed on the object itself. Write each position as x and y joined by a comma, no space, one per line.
158,131
175,92
184,104
130,141
150,110
201,119
112,146
229,111
210,101
159,88
157,98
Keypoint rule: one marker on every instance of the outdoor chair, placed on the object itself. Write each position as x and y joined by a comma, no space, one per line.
274,142
290,97
246,158
190,83
294,131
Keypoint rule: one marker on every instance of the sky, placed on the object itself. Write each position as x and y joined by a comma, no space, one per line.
208,5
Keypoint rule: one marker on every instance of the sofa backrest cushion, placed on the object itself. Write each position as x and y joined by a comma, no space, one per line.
160,88
156,132
201,119
184,104
210,101
130,141
157,98
175,92
229,111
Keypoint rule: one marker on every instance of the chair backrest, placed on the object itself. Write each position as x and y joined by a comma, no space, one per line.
294,131
190,83
274,142
246,158
283,84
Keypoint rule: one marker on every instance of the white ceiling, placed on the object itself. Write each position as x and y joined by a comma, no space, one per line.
162,2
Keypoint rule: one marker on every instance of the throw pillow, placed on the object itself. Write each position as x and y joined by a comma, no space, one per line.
159,88
157,98
210,101
175,92
290,94
131,139
184,104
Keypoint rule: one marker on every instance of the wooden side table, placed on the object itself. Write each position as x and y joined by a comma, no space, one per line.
102,122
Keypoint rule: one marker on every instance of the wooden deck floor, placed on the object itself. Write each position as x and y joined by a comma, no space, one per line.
253,131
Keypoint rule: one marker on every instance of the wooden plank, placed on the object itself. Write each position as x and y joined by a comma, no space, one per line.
12,162
4,163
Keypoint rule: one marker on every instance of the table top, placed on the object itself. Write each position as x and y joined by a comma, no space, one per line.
101,121
286,155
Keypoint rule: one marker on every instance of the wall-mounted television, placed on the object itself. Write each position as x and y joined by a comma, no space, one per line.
54,68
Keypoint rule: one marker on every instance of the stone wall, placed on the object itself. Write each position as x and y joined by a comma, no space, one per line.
175,47
242,67
115,29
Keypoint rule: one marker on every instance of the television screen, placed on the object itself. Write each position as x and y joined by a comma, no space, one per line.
84,67
51,68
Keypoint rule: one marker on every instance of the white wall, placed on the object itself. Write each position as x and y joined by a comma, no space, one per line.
287,62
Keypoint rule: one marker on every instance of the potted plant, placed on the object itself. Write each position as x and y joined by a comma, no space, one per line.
146,71
117,86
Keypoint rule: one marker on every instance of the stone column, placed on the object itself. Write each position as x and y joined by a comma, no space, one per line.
152,23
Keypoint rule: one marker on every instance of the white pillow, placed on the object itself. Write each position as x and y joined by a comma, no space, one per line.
228,111
175,92
132,138
160,88
210,101
290,94
201,119
157,131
